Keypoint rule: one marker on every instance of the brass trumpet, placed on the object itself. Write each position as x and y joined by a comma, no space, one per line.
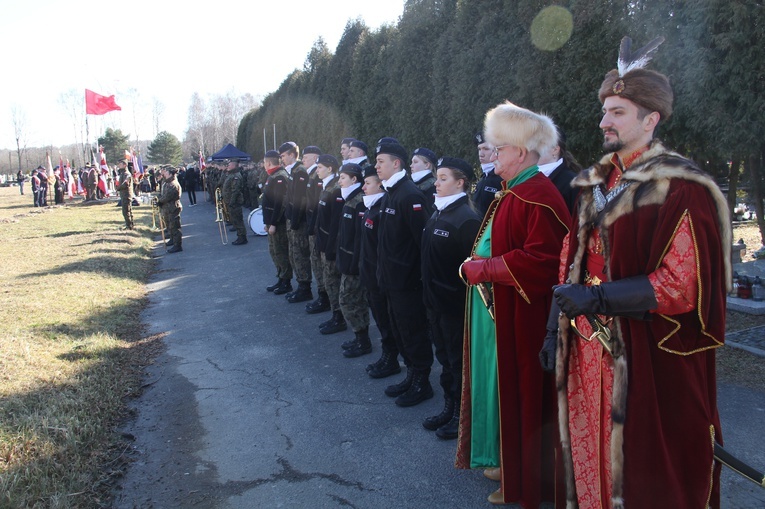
219,217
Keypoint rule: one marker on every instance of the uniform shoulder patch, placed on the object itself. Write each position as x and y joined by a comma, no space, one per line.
417,206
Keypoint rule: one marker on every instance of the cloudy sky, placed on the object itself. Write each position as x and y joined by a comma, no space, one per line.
149,52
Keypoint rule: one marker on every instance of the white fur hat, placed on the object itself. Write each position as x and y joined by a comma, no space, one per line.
508,124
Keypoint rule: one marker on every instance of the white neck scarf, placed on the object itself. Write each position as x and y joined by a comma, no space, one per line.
487,167
548,168
419,175
444,201
387,184
372,199
346,191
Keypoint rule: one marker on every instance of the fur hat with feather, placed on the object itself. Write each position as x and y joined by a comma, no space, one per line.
646,88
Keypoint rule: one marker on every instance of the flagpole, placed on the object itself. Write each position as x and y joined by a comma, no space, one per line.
265,146
274,136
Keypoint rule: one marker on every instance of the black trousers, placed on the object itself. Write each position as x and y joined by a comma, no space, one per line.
192,195
410,328
447,332
378,304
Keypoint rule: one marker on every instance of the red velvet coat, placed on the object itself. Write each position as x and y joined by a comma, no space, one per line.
666,395
529,223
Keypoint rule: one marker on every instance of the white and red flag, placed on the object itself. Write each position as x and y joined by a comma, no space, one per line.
202,164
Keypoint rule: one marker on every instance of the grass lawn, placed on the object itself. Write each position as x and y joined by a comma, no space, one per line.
71,346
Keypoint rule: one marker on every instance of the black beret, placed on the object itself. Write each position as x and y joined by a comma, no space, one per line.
312,149
361,145
387,139
354,170
328,160
479,139
346,141
370,171
393,149
272,154
286,146
427,154
460,165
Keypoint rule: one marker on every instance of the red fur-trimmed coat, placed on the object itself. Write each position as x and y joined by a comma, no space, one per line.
664,411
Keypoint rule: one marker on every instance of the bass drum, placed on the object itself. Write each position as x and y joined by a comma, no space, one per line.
255,220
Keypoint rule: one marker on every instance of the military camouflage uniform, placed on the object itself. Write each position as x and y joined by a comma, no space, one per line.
274,204
170,208
313,191
353,295
126,196
297,227
233,199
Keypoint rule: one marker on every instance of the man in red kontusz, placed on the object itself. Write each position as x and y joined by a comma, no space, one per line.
648,256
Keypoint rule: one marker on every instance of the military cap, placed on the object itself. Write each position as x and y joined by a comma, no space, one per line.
353,170
360,144
427,154
312,149
460,165
287,146
393,149
328,160
272,154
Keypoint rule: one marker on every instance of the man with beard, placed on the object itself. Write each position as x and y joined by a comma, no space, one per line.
648,263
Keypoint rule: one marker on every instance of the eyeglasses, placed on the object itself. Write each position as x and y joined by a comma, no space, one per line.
496,150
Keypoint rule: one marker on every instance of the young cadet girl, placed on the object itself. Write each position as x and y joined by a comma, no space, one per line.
446,241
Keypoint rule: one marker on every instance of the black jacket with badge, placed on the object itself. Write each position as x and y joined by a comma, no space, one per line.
427,185
370,227
485,190
313,192
405,210
328,216
297,196
275,198
446,241
349,236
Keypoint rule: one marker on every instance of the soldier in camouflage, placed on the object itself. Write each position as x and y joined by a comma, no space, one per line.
297,227
233,199
170,207
125,188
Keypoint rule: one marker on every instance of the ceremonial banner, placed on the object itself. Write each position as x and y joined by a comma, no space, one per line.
97,104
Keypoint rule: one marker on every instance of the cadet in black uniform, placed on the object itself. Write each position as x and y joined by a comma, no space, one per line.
446,242
328,213
423,168
313,191
353,297
275,221
297,228
387,364
405,210
490,182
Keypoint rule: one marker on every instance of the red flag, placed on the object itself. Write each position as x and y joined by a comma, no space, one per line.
96,104
202,164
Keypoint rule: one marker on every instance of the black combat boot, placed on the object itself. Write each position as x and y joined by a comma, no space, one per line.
319,305
169,243
363,345
386,366
239,240
302,294
337,324
450,430
349,344
418,391
175,249
285,287
401,387
274,286
436,421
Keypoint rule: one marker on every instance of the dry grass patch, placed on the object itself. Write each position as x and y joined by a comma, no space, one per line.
71,347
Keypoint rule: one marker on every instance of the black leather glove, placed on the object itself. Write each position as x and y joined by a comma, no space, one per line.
630,297
547,353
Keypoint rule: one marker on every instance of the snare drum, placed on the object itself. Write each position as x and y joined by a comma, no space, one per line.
255,220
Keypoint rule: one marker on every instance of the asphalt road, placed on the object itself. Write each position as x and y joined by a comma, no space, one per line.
250,407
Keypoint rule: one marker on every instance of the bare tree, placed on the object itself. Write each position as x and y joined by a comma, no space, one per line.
72,102
158,109
19,120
